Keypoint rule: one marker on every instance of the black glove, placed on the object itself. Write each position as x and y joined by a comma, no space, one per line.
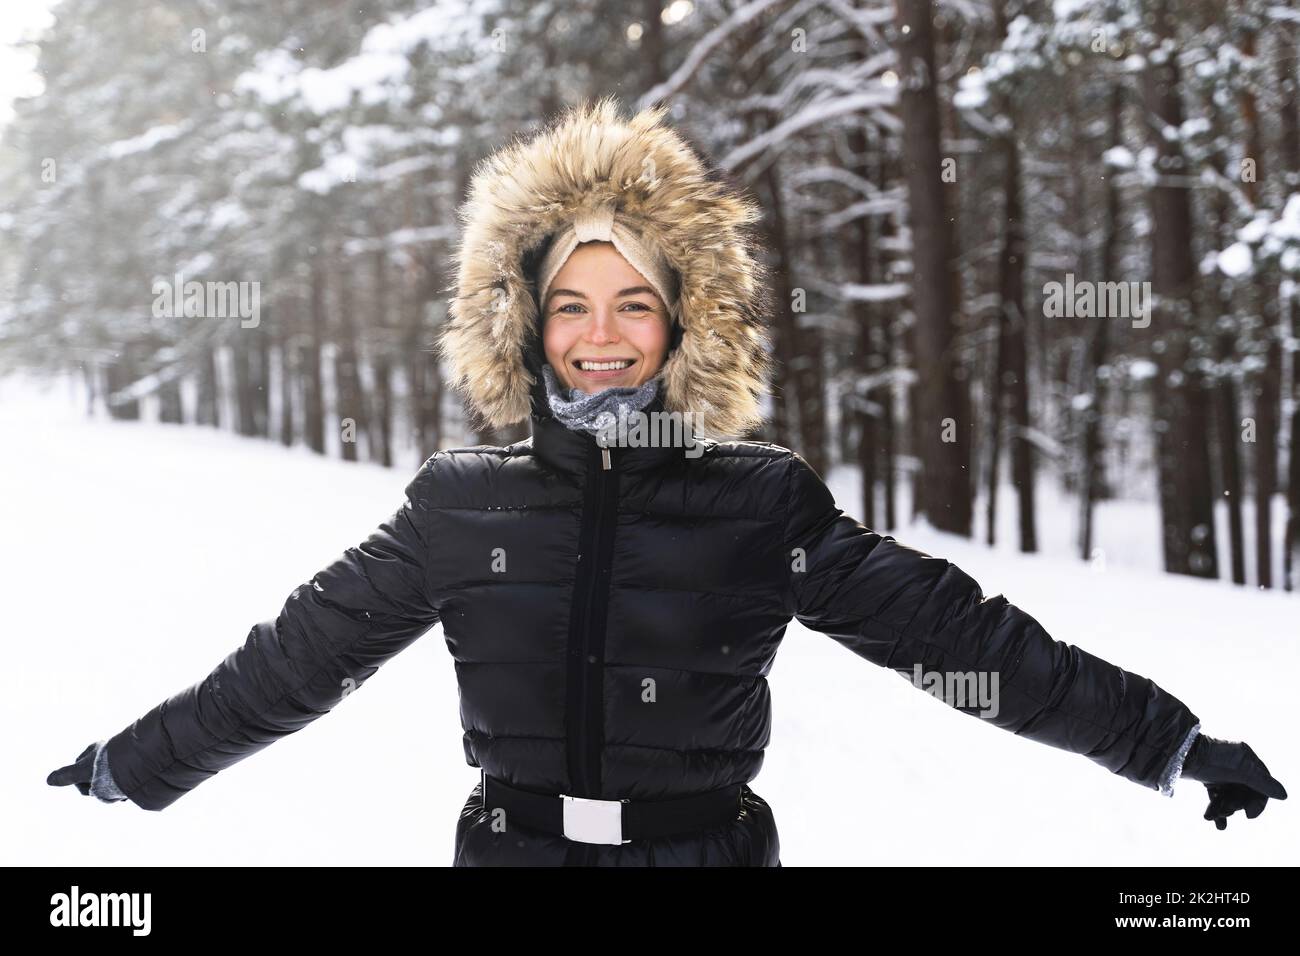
78,773
1234,776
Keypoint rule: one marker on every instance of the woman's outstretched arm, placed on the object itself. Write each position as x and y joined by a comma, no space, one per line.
333,632
903,609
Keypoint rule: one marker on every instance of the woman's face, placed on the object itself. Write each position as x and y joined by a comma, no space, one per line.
603,323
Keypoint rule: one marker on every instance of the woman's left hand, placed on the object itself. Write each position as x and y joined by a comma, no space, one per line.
1235,778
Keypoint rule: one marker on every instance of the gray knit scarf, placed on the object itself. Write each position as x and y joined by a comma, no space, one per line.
592,412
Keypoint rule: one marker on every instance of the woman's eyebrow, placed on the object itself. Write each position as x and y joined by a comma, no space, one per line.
633,290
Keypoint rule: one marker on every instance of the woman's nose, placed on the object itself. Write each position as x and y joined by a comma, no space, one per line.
603,328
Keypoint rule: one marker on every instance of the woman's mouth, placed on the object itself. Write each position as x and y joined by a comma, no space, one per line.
602,370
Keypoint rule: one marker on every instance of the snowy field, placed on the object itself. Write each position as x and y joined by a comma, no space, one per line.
137,556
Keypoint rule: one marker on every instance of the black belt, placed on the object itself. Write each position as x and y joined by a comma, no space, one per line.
611,821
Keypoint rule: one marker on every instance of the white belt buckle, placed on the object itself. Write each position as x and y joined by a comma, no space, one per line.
588,820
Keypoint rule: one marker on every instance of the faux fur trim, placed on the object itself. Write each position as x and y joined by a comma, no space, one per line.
525,192
102,784
1174,769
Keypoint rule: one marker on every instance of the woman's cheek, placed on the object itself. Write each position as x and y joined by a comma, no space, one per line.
553,345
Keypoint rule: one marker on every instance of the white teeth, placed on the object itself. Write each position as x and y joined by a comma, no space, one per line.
603,366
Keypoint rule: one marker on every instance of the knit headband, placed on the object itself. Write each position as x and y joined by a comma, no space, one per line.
603,225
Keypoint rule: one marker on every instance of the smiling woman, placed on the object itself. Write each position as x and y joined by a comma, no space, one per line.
613,611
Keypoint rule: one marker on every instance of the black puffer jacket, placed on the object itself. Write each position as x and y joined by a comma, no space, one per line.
564,587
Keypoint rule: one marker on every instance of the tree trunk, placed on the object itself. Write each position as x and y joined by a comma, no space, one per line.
888,173
170,407
1266,387
351,418
1093,485
242,360
1187,515
995,403
943,416
122,370
262,394
290,371
381,422
651,52
313,390
1227,412
868,358
207,408
799,349
1012,351
1290,153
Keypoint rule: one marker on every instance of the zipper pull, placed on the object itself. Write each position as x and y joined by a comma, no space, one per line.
604,459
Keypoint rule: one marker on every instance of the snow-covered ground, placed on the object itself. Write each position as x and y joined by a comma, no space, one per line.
137,556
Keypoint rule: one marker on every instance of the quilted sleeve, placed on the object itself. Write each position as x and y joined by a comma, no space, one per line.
333,632
930,622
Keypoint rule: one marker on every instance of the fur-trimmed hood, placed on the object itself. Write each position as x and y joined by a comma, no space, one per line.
524,193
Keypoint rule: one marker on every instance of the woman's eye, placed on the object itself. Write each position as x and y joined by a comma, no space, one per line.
638,307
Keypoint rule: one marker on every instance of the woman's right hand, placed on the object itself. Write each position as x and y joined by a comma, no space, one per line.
79,774
91,775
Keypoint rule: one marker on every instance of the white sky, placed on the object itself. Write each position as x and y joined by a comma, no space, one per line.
22,19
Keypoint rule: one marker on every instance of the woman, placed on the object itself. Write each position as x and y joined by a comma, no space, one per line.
613,591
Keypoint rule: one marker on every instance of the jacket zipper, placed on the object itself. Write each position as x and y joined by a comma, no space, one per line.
586,749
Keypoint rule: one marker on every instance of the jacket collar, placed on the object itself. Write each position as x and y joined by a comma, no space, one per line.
574,452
